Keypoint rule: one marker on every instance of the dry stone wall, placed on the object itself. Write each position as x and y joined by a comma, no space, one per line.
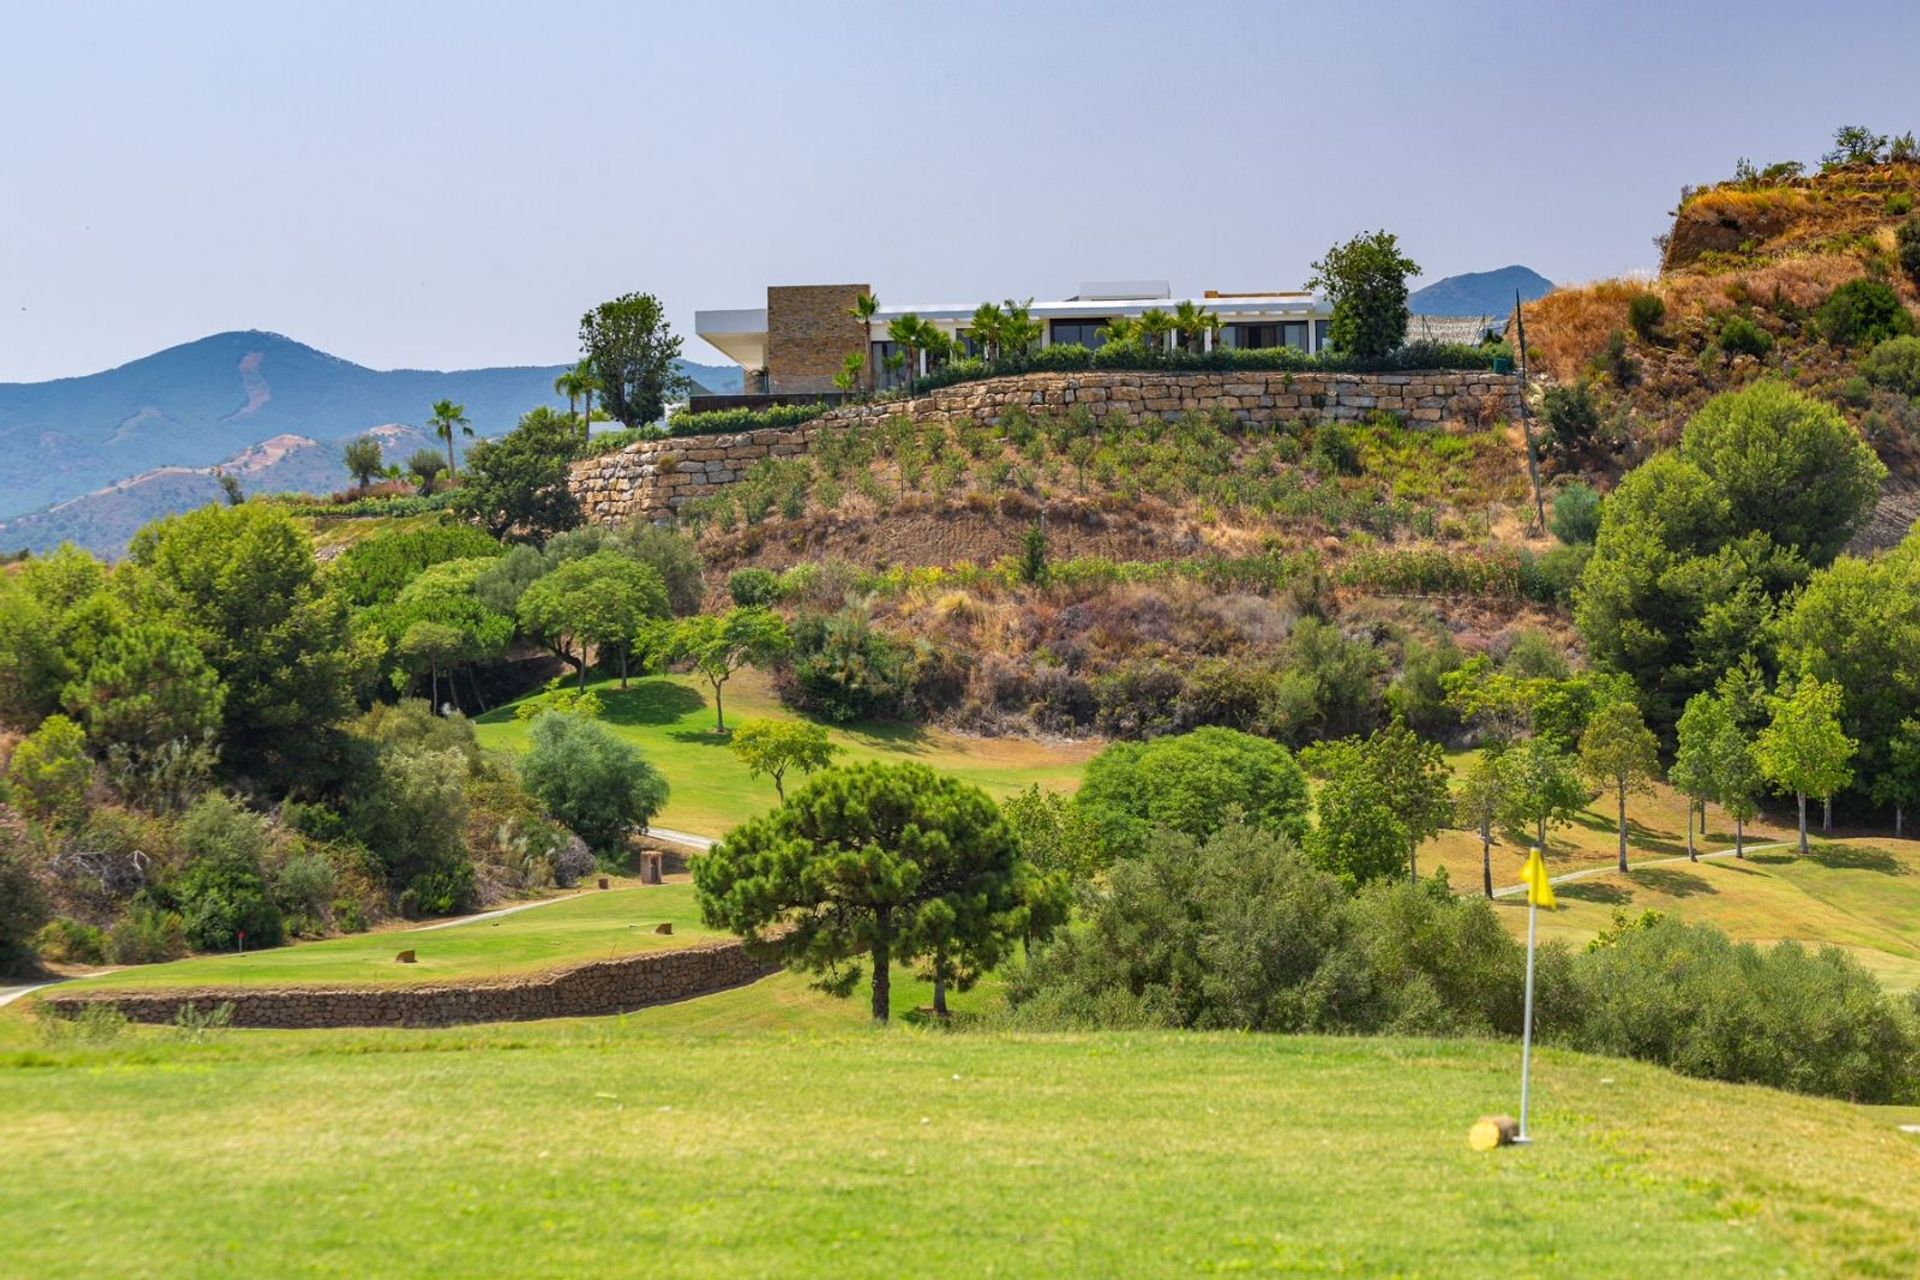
603,987
652,479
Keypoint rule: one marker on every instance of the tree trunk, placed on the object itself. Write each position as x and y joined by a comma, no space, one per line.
719,709
778,789
939,991
1897,816
1413,862
1692,854
1543,837
1486,859
623,666
882,978
453,472
1623,824
583,668
1801,798
1826,815
1739,837
479,699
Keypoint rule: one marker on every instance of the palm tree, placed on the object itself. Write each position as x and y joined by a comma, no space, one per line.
446,416
986,327
1154,325
1193,323
1118,329
589,384
909,334
1019,330
568,385
865,307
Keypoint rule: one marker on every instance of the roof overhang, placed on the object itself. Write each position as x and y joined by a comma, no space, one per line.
740,334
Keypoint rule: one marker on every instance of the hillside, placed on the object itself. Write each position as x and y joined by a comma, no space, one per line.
205,404
1748,266
1479,293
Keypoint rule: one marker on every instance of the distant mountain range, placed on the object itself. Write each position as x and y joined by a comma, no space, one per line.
1479,293
92,458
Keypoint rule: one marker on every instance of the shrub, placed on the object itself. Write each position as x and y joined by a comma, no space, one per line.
843,669
1335,451
751,587
1895,365
223,893
22,909
1689,998
408,804
147,934
49,772
729,421
1551,577
71,942
1571,417
1900,204
1740,336
1193,783
1907,247
1646,313
600,787
571,861
1863,312
1576,513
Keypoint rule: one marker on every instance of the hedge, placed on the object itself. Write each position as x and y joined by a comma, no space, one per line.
1129,357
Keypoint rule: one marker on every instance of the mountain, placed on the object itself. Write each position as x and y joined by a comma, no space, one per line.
142,438
1479,293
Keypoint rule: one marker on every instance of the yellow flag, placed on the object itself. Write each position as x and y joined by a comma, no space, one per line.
1539,884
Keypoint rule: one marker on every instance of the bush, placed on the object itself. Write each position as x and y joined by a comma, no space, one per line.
753,587
1689,998
1646,313
1335,451
1895,365
1740,336
71,942
1576,514
600,787
1194,784
843,669
223,893
147,934
22,909
408,804
1862,312
572,861
1551,577
729,421
1571,417
1907,247
49,772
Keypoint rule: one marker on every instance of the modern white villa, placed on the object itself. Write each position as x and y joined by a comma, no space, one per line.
801,338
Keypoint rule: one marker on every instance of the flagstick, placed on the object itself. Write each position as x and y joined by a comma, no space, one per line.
1526,1029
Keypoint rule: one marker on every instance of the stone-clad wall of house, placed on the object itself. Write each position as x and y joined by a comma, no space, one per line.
651,479
810,333
605,986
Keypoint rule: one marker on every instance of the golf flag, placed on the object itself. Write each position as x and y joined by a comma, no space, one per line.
1539,885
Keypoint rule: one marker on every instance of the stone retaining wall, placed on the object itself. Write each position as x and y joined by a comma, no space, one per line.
653,478
602,987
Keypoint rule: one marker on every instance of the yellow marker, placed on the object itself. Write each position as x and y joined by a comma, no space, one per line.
1539,884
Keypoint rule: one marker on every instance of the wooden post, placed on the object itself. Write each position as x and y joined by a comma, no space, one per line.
1526,411
1489,1132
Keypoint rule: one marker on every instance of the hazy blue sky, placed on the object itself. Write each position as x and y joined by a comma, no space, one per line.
451,185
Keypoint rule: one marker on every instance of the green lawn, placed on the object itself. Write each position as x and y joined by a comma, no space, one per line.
766,1132
671,719
590,926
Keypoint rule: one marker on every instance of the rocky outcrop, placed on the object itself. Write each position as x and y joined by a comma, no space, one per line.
654,478
603,987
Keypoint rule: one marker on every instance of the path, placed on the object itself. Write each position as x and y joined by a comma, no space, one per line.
1610,869
687,838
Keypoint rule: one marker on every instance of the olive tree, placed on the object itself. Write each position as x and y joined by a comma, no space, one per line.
1620,753
720,644
1803,750
777,747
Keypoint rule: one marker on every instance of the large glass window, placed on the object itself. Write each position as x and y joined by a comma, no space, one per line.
1320,328
1254,336
1084,333
1294,334
883,377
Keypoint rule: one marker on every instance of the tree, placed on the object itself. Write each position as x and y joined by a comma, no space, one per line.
985,328
1854,144
1193,323
364,461
720,644
1863,312
147,688
1738,780
1410,773
865,307
1696,764
445,418
600,600
1619,751
1360,836
776,747
1478,805
634,355
601,787
1193,783
908,333
464,628
1154,325
1788,465
884,862
49,772
517,485
223,892
23,909
1803,750
576,384
1898,781
1543,787
243,585
1365,280
425,467
230,487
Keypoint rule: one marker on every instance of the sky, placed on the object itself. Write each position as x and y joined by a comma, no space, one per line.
429,185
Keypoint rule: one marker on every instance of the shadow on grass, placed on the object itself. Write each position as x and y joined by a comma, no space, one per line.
649,702
1673,882
1846,857
1594,891
1641,836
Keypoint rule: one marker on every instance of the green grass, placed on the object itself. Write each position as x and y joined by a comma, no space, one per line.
766,1132
670,718
590,926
